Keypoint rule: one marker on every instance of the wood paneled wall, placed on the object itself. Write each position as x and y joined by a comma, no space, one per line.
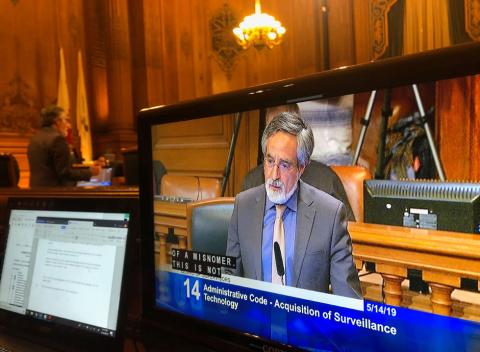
198,57
28,72
183,62
147,53
458,127
32,34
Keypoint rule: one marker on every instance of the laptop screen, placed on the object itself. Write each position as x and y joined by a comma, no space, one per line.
65,267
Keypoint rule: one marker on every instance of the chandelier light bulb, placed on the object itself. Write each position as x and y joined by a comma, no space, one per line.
259,29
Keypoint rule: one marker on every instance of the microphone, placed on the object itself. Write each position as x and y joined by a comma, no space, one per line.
279,260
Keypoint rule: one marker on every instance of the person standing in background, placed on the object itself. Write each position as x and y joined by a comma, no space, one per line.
316,174
49,155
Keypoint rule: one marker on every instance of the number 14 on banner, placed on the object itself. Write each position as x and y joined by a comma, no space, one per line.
194,291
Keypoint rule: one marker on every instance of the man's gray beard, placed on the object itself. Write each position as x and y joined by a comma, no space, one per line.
279,197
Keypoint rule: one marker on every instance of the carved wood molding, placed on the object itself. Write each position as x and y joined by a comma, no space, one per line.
379,25
472,18
18,111
224,45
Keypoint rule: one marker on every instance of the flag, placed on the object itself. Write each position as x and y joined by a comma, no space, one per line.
83,120
62,99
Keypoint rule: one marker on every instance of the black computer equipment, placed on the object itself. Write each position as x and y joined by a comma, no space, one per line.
450,206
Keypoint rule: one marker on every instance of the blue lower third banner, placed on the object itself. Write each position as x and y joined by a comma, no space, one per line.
311,320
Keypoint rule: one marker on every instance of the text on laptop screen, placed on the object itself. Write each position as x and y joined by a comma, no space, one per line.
65,267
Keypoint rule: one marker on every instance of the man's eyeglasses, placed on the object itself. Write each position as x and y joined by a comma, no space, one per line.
283,165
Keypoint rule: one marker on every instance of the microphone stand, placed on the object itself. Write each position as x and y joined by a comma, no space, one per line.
386,113
231,152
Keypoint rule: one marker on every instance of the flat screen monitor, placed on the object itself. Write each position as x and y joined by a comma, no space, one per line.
449,206
63,272
189,300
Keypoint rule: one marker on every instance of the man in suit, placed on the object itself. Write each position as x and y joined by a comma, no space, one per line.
49,154
316,173
286,231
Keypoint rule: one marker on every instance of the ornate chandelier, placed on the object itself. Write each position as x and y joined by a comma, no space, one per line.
259,30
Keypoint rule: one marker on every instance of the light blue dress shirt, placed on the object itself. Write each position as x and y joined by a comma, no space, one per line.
289,224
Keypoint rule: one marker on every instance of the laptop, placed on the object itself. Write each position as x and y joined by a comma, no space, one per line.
104,178
63,274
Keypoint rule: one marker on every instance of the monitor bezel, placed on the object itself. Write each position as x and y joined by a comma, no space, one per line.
58,335
440,64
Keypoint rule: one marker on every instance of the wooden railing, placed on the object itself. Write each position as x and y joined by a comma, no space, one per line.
443,257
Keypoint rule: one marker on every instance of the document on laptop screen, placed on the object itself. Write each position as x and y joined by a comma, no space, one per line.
65,266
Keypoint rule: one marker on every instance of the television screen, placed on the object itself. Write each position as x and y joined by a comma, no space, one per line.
203,296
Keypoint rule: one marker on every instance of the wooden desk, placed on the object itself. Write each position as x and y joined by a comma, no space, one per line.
443,257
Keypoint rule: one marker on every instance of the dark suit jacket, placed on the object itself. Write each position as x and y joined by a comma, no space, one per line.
316,174
51,162
323,248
